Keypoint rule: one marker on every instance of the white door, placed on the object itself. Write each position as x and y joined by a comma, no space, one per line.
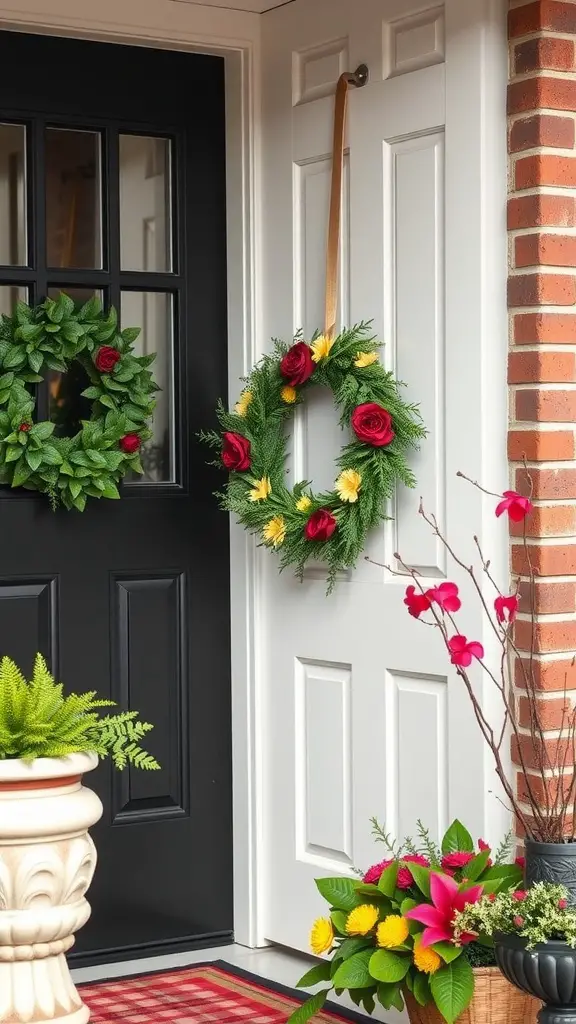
361,714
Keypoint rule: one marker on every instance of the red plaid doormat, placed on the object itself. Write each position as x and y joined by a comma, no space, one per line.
207,994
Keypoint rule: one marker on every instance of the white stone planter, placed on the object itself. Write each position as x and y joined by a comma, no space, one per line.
47,861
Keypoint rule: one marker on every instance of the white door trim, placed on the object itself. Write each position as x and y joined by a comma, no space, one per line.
234,35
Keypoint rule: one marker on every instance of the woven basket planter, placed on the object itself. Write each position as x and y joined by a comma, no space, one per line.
495,1001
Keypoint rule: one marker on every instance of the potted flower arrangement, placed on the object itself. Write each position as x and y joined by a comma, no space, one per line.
534,932
546,808
48,741
390,934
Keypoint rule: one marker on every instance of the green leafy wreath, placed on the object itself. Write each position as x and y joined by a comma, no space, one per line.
92,463
298,523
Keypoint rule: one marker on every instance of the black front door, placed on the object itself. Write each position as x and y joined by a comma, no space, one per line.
112,180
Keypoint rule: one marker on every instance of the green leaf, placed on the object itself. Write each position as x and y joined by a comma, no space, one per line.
96,458
42,430
421,876
448,951
340,893
12,453
129,334
388,878
320,972
407,905
452,988
388,967
474,869
91,392
72,331
107,401
110,490
354,945
35,360
354,973
368,1002
14,357
21,472
457,839
80,502
421,988
309,1008
387,995
373,892
6,380
33,458
338,917
75,488
51,456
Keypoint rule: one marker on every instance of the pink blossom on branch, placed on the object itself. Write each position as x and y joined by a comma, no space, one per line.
506,608
462,651
515,505
446,596
416,602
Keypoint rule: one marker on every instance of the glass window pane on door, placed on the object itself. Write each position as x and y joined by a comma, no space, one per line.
73,199
13,242
145,202
10,294
154,313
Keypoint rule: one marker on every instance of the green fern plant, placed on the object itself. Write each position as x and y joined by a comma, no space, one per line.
38,720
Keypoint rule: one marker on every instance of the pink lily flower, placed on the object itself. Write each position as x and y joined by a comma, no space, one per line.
447,900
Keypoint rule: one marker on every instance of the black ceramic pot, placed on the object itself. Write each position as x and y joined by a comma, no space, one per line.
552,862
548,972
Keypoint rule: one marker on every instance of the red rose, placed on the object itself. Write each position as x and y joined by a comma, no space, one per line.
372,424
24,426
236,452
130,443
320,526
106,358
297,365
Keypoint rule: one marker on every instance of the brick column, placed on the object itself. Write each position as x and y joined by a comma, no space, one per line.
542,302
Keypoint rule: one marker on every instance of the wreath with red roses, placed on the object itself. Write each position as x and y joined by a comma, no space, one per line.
252,446
92,462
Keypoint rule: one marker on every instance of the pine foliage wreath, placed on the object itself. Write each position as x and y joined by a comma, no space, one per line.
92,463
298,523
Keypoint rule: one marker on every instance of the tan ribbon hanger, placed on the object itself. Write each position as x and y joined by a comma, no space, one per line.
358,79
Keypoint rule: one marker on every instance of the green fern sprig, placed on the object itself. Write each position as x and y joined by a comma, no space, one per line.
38,720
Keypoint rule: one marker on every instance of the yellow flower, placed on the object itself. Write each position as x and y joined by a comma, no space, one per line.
243,403
321,348
361,920
303,503
288,394
348,484
426,959
321,936
261,489
275,531
392,931
365,359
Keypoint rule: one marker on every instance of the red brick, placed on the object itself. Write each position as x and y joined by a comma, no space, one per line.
536,755
541,211
553,713
542,14
541,367
541,290
547,598
540,790
546,250
546,169
548,483
547,521
546,637
542,130
545,328
542,92
546,406
544,54
550,676
541,445
553,560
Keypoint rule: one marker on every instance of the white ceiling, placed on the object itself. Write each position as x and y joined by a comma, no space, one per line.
257,6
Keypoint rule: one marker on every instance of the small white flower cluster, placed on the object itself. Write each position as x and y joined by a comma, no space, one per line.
536,914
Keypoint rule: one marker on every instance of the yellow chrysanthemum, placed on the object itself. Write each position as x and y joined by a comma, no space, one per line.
321,936
321,348
288,394
261,489
348,484
365,359
303,503
275,531
392,931
243,403
426,959
361,920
